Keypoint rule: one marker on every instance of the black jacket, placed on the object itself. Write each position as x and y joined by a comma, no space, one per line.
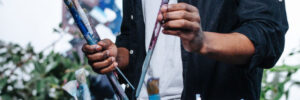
262,21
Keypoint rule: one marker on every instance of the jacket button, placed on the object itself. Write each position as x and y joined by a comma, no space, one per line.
131,16
131,52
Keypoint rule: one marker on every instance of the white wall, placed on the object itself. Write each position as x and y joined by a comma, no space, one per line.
25,21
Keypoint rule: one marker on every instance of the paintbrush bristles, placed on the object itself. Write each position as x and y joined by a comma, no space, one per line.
153,86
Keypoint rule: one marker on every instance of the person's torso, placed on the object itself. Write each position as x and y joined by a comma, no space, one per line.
208,77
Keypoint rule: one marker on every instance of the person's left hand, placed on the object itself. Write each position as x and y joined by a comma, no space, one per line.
183,20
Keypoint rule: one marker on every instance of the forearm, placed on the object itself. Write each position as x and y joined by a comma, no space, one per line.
234,48
123,57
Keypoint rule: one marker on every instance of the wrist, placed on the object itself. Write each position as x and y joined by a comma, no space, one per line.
207,47
198,44
122,57
204,46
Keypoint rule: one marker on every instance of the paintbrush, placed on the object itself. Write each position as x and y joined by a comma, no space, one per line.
153,89
91,41
83,16
151,47
91,30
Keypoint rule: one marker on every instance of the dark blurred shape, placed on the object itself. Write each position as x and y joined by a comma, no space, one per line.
100,87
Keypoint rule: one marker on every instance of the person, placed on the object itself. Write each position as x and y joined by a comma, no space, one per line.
224,45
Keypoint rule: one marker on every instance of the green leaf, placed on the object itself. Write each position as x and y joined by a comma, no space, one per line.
29,49
66,77
41,55
297,83
50,67
3,82
292,53
3,54
40,86
76,57
56,30
287,93
52,80
6,97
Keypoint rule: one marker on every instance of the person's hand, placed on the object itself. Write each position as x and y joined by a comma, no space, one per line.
102,57
183,20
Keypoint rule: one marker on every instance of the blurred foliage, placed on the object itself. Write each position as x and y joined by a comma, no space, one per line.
27,75
277,82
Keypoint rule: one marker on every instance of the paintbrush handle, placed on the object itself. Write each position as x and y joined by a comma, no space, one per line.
93,35
86,34
153,41
89,38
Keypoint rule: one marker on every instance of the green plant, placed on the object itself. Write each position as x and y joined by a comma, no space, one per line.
27,75
280,82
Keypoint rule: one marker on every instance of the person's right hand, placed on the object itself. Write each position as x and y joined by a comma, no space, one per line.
102,57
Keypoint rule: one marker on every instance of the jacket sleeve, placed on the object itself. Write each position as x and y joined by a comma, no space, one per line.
264,22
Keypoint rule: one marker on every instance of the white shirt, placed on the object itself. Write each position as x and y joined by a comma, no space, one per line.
166,63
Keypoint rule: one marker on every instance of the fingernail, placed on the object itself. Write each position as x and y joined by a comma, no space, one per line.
101,43
113,59
97,47
107,53
116,64
163,7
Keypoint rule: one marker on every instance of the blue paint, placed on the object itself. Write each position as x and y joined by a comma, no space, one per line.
80,23
154,97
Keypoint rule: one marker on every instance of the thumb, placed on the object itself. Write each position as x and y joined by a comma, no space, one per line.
106,43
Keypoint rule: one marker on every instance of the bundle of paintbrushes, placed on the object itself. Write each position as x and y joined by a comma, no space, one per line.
153,89
92,38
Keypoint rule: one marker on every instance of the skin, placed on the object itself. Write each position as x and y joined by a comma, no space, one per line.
183,20
180,20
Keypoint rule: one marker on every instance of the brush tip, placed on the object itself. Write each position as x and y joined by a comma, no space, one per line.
153,86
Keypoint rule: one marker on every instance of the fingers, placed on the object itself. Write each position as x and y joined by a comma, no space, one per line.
172,32
181,14
89,49
181,24
187,37
104,63
98,56
179,18
179,6
160,17
101,56
110,68
106,43
105,66
179,11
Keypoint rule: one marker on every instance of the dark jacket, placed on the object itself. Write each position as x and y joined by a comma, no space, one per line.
262,21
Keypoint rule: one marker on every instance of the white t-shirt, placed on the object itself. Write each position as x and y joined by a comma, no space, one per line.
166,63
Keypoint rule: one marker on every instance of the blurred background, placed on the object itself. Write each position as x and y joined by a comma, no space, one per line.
40,48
